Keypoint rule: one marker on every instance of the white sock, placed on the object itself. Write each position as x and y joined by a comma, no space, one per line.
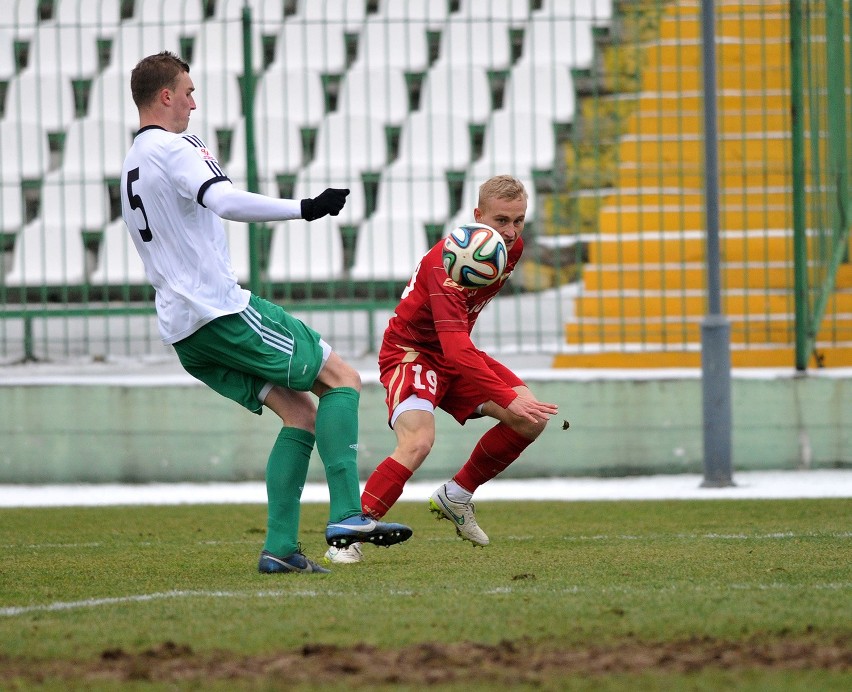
458,494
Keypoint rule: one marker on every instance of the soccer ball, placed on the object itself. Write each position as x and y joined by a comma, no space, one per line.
474,255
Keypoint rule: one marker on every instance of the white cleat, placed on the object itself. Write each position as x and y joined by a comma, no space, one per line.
344,556
460,513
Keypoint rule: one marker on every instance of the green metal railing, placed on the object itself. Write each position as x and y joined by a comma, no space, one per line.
614,259
820,96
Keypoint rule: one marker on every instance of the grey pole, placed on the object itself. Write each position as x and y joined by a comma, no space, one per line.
715,329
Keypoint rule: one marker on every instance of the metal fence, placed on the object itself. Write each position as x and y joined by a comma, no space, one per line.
595,104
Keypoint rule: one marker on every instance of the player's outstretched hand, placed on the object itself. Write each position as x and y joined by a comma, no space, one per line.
329,201
532,409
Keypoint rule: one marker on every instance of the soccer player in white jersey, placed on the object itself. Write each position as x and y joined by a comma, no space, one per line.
173,195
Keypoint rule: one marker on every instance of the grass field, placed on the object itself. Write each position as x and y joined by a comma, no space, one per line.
750,595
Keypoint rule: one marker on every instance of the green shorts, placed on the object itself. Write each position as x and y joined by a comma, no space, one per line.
242,355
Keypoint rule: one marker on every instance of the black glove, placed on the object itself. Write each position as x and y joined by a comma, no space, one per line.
329,201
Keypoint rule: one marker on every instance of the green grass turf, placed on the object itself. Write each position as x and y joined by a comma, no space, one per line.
78,582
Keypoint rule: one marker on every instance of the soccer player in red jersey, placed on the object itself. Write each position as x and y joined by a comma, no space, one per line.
428,360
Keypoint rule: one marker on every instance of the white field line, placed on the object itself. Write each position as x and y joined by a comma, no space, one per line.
60,606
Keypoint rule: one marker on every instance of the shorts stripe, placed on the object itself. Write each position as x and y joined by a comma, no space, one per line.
274,339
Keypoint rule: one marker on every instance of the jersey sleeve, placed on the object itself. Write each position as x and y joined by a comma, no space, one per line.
193,167
472,368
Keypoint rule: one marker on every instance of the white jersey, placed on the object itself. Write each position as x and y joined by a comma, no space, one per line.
182,243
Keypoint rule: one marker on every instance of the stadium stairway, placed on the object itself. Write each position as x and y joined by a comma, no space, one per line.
643,294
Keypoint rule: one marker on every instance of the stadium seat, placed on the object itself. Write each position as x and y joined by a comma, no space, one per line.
22,18
74,201
66,50
46,99
218,100
110,96
518,143
378,93
348,14
477,42
11,205
393,43
303,45
541,89
295,94
560,41
439,141
388,248
102,15
186,16
600,11
432,13
306,251
462,91
218,47
47,254
278,148
268,14
515,12
418,193
24,151
133,41
8,64
119,263
95,148
354,143
316,177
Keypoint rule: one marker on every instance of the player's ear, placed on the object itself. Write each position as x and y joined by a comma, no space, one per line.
165,96
477,215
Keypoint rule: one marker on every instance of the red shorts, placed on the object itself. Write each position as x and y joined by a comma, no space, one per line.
431,377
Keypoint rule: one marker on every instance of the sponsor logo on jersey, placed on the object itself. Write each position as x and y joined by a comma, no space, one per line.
205,154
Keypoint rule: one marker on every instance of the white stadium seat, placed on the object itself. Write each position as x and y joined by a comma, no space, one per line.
459,90
45,99
8,65
11,205
184,15
598,10
24,151
218,100
432,13
218,46
103,15
378,93
95,148
110,95
419,194
302,45
22,17
437,140
351,143
306,251
388,248
350,15
393,43
515,12
47,254
133,41
67,50
478,42
119,263
519,143
278,148
77,202
295,94
316,177
541,89
559,41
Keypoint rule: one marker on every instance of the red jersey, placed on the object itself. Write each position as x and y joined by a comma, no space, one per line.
431,307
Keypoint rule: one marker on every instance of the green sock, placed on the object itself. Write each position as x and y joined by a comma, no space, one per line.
286,472
337,444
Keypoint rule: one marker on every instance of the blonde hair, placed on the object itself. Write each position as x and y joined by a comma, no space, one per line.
502,187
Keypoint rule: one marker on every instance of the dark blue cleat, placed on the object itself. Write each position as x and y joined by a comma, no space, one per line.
295,562
364,529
